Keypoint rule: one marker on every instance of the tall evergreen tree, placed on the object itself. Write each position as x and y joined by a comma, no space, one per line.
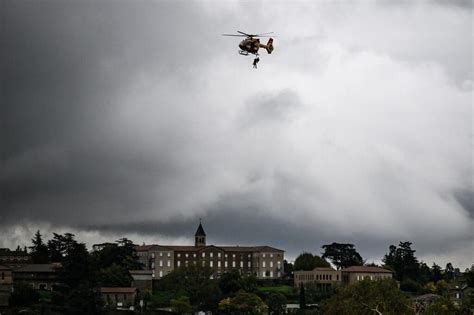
342,255
39,251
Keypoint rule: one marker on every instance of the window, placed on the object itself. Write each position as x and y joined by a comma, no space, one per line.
263,274
226,264
219,264
179,255
241,264
210,263
219,255
161,273
249,264
168,264
271,255
226,255
249,255
233,255
264,264
178,263
194,255
211,254
271,274
271,264
161,263
203,254
233,264
169,254
278,274
161,254
187,255
152,255
263,255
153,265
203,263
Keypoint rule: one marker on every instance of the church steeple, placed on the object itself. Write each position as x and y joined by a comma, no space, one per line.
200,236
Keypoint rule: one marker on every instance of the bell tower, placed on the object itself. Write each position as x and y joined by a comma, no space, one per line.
200,236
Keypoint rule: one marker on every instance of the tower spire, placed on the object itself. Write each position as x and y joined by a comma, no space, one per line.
200,236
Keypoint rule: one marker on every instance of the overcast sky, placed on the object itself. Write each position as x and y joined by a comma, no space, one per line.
136,119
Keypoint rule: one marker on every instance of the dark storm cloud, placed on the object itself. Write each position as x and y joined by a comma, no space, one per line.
137,119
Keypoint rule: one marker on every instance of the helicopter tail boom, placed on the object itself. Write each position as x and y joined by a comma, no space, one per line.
268,46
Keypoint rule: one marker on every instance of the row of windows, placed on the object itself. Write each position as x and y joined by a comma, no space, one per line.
160,263
359,278
219,265
312,277
168,254
211,254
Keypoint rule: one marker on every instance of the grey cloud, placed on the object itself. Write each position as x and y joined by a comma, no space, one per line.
139,118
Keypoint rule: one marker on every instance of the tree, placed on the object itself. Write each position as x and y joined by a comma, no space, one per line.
230,283
276,303
181,305
243,303
403,261
342,255
449,271
195,281
436,273
441,306
288,268
114,276
308,261
23,295
369,297
302,298
39,251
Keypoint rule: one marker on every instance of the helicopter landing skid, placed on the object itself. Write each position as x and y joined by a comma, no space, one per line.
243,52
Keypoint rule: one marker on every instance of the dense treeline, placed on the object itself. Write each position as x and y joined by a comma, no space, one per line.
80,273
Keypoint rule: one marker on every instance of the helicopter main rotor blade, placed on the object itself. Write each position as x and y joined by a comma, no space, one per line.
234,35
245,34
260,35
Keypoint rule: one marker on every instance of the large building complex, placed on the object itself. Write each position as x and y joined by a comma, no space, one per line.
264,262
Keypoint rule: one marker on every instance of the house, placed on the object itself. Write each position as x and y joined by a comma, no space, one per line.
264,262
422,302
15,258
357,273
142,280
323,277
6,276
119,296
39,276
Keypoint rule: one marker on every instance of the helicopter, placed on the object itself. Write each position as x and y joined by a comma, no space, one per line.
251,44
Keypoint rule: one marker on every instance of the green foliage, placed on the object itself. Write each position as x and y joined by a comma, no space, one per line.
114,276
39,250
342,255
441,306
276,303
230,283
469,274
306,261
409,285
195,281
436,273
314,293
23,295
181,305
243,303
403,261
368,297
302,297
282,289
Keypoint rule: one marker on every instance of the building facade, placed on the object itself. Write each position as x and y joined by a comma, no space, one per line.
323,277
358,273
264,262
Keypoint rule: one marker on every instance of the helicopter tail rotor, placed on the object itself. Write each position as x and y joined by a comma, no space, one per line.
268,46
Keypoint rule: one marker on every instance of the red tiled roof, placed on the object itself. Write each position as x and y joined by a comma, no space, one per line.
38,268
191,248
366,269
140,272
117,290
